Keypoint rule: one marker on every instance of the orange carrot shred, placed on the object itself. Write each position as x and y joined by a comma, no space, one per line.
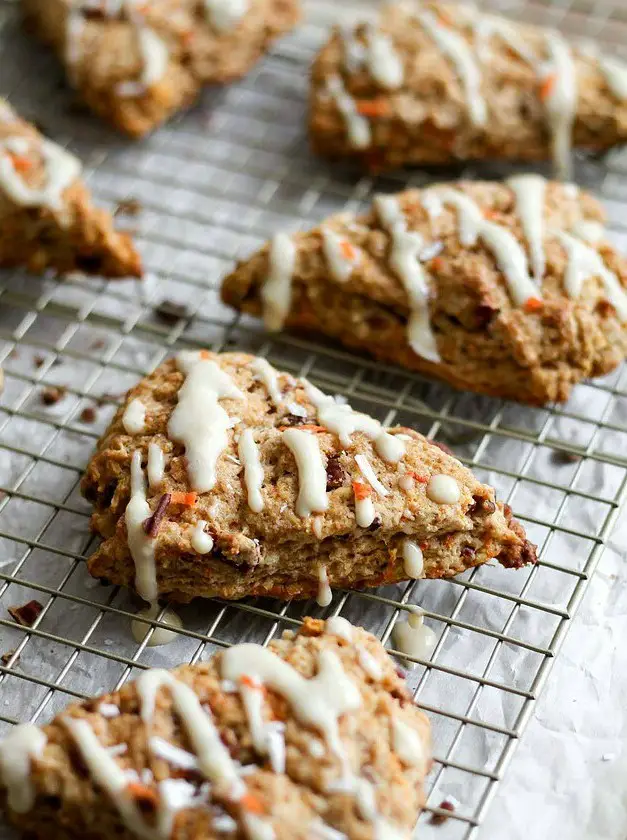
362,491
373,107
21,164
547,85
252,803
250,682
421,479
533,304
204,354
348,251
437,263
187,499
307,427
143,795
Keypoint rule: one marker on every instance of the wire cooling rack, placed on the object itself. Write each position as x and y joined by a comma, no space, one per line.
213,185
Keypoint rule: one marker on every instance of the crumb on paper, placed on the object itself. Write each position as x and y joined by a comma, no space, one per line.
88,414
38,360
448,804
171,311
5,657
27,614
53,394
128,207
561,456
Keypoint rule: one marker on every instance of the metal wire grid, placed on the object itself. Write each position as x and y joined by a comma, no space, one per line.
213,185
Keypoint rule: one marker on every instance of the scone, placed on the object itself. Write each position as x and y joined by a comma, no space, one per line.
221,476
434,82
136,64
507,289
47,220
313,737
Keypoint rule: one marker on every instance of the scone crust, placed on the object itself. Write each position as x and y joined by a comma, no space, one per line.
105,54
276,552
69,804
75,237
426,120
486,343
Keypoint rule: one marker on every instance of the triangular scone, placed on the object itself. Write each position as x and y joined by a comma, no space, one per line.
259,484
47,220
314,735
504,289
434,82
137,64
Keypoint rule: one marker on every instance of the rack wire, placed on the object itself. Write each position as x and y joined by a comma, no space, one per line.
213,185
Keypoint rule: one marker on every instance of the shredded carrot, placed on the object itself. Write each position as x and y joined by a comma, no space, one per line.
252,803
187,499
204,354
250,682
307,427
533,305
546,86
145,796
348,251
421,479
490,214
20,163
437,263
362,491
424,546
373,107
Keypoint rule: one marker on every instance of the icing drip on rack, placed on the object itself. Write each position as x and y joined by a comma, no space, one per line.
341,255
529,191
405,263
199,422
413,637
276,292
140,545
357,126
312,475
224,15
341,420
61,169
17,750
253,471
134,418
160,635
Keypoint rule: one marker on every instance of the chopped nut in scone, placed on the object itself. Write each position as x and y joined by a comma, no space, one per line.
201,488
313,739
137,64
435,82
509,307
47,220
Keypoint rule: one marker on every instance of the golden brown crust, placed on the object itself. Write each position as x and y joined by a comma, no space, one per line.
426,120
75,237
486,343
69,804
106,54
276,552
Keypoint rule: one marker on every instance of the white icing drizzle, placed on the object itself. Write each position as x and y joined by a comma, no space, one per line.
364,509
258,828
156,465
413,637
405,263
325,596
61,170
160,635
432,204
201,541
225,14
382,59
264,371
140,544
589,230
455,47
338,626
268,737
276,292
312,475
341,420
407,744
318,702
21,745
615,72
506,250
134,418
561,102
174,755
154,55
317,526
199,422
369,474
443,490
108,710
248,452
369,663
585,262
341,255
529,191
486,26
413,561
357,126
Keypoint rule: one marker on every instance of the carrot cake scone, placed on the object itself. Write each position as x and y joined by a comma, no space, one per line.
137,63
222,476
509,289
314,738
434,82
47,220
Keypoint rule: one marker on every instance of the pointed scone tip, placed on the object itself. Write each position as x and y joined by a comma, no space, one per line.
222,476
233,746
438,82
47,220
507,289
137,64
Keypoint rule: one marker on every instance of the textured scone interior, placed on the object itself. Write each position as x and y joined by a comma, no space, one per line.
149,736
487,342
276,551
